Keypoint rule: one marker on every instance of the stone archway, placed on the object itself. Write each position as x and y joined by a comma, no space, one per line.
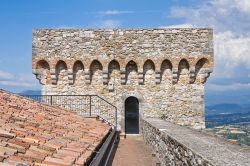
132,115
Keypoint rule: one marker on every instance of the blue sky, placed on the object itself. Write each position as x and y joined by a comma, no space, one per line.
230,81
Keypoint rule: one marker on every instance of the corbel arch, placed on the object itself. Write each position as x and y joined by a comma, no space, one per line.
131,76
183,71
61,71
158,62
114,74
78,72
149,72
96,77
202,70
166,71
42,71
136,61
42,64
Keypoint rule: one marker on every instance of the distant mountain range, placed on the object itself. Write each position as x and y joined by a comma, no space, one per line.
227,108
224,114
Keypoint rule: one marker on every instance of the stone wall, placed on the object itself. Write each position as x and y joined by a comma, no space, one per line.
178,145
164,68
168,150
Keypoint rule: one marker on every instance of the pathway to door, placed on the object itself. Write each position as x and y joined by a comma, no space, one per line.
132,151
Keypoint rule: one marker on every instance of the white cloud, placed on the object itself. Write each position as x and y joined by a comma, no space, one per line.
108,23
231,22
179,12
178,26
231,50
119,12
5,75
65,27
228,87
17,80
114,12
223,15
17,84
241,5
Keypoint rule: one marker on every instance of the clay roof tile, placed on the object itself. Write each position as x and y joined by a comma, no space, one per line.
35,134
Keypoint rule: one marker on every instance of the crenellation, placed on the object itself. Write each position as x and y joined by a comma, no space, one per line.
166,67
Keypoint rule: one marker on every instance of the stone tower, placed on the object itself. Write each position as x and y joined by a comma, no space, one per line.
162,70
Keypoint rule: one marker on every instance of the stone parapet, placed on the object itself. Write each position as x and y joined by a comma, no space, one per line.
178,145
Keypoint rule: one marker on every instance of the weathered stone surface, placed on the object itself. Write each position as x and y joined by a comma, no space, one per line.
164,68
178,145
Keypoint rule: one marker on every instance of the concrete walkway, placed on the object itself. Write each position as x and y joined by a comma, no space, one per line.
132,151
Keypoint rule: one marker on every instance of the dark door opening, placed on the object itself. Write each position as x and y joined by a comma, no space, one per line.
131,115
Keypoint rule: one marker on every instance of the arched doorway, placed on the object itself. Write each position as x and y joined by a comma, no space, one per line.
131,115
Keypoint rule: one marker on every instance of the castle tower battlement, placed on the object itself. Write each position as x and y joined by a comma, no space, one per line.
165,69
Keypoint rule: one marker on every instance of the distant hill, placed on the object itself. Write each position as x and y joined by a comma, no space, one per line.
227,108
224,114
30,92
225,119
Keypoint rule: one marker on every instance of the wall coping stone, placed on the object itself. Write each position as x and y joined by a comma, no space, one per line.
214,149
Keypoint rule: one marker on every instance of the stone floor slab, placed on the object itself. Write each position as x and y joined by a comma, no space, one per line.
132,151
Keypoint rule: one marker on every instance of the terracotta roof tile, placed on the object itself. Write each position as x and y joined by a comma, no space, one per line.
6,134
57,161
35,134
1,158
15,160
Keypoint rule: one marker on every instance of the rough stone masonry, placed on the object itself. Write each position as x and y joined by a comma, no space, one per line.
165,69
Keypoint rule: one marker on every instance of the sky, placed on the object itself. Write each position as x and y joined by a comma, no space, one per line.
230,19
